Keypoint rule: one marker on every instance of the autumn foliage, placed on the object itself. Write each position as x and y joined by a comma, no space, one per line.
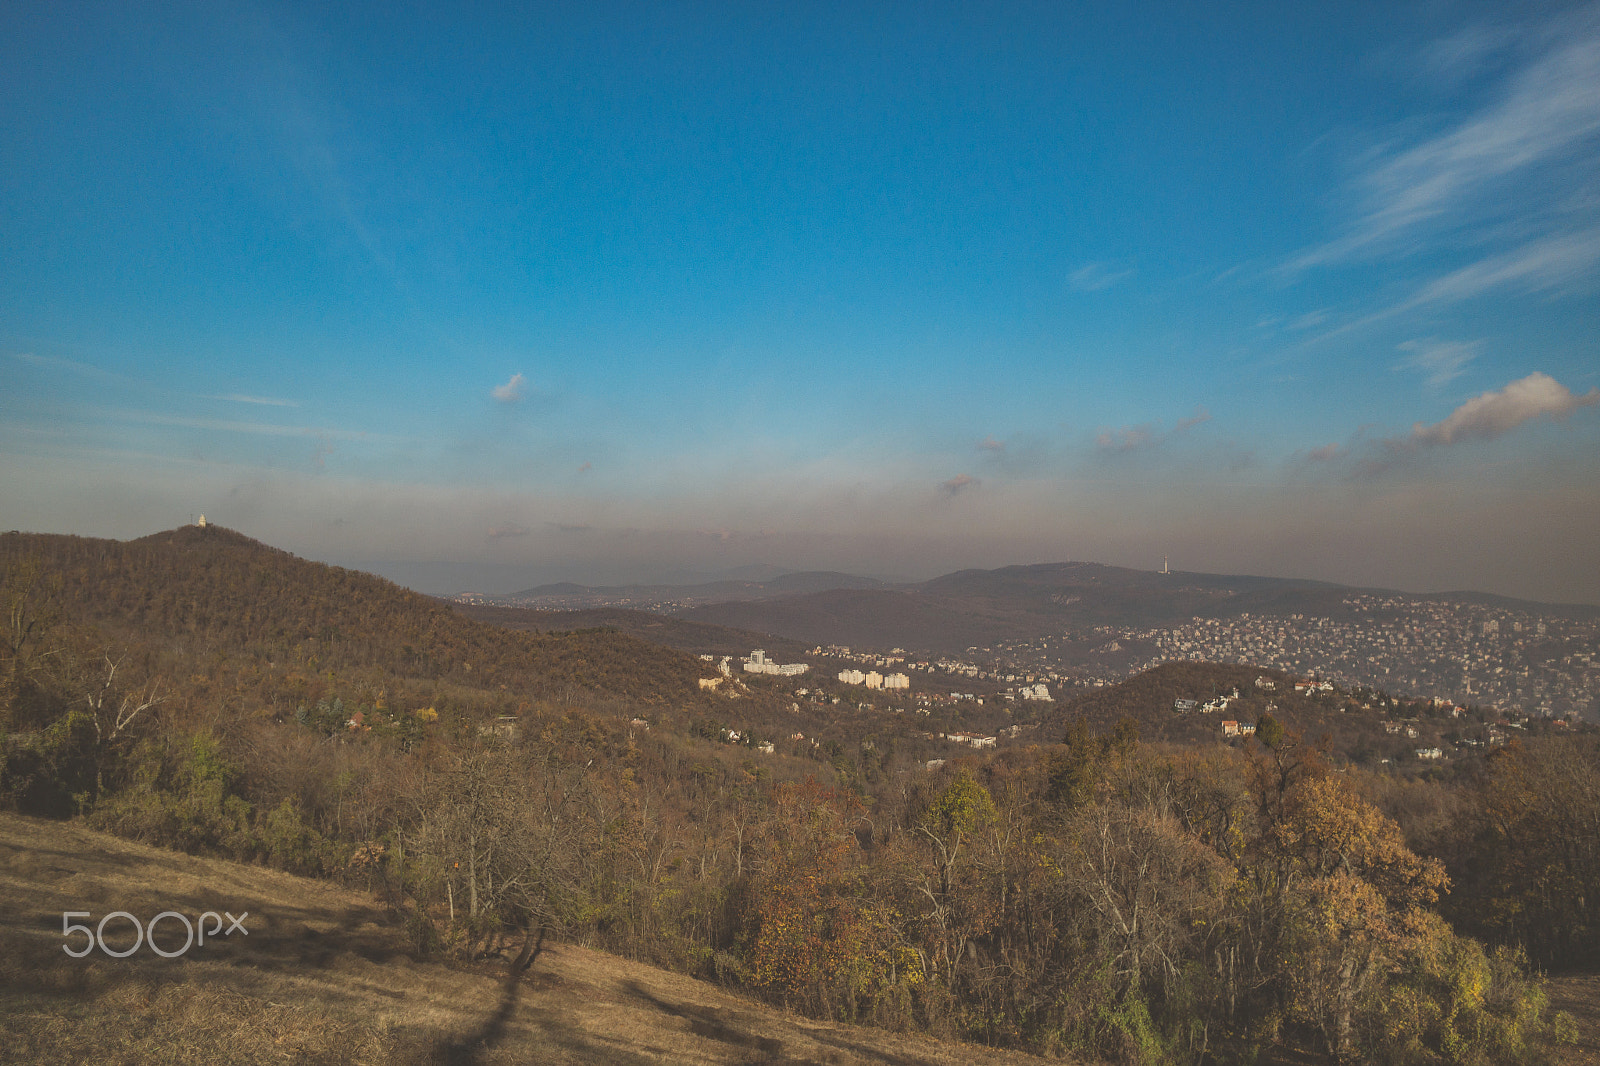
1099,897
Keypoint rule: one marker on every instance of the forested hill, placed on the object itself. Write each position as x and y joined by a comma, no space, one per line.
210,595
1352,722
662,629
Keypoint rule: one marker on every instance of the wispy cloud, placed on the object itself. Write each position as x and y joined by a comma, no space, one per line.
1127,439
1326,453
958,484
1441,360
265,429
1546,113
261,401
1146,434
1550,263
512,391
53,363
989,444
1093,277
320,453
1464,53
1498,412
508,531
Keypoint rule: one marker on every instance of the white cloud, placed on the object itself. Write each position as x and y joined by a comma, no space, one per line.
1498,412
1443,361
1325,453
512,391
989,444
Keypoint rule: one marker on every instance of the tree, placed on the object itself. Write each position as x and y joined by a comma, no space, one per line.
1358,901
115,709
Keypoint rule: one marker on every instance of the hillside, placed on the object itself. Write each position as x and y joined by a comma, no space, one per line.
666,630
263,626
326,975
1352,724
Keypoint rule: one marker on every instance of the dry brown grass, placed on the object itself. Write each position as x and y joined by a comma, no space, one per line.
322,977
1579,996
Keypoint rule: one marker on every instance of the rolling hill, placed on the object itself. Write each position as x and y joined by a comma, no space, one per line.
247,622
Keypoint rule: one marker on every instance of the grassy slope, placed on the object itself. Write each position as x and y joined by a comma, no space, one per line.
323,977
1579,995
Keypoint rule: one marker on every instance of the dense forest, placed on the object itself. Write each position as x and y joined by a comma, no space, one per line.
1139,901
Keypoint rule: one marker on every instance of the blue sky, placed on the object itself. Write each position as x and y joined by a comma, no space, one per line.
483,296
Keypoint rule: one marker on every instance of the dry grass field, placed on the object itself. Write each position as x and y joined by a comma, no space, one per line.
321,977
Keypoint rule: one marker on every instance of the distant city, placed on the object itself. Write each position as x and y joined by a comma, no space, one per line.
1514,659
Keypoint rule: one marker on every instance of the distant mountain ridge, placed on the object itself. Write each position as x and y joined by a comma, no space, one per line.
571,594
977,608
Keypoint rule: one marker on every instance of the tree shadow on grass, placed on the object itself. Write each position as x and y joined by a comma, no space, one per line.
467,1050
713,1024
706,1022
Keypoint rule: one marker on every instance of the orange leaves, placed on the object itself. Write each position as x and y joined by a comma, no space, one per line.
1327,829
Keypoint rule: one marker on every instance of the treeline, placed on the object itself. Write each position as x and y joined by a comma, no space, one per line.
1100,896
